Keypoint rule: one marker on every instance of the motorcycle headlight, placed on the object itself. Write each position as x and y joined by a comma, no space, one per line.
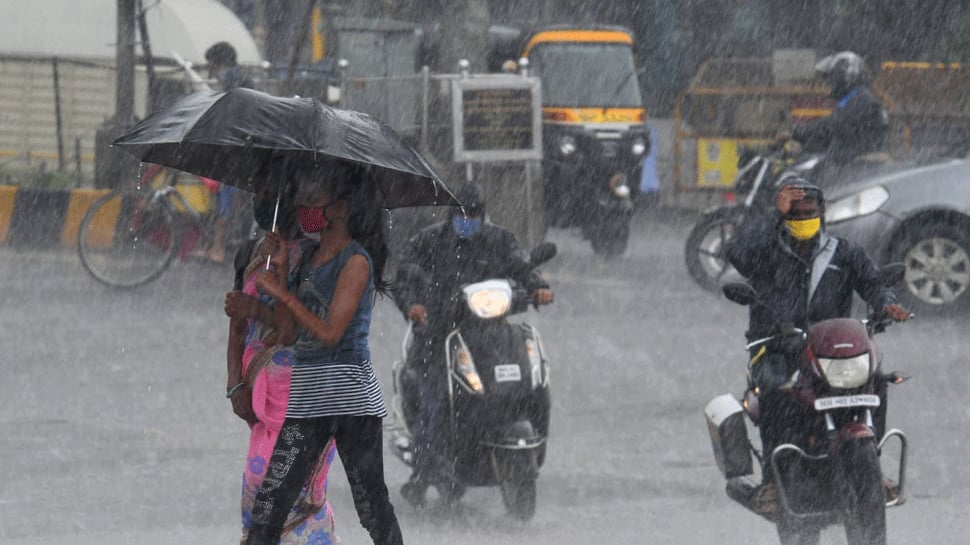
567,145
639,146
864,202
489,299
846,373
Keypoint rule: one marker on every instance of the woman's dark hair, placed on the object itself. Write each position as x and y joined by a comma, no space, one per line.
367,219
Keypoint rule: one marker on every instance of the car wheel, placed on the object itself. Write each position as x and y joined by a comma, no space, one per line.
937,260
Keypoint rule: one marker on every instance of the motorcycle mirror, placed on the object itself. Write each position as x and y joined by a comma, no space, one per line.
740,293
542,253
891,274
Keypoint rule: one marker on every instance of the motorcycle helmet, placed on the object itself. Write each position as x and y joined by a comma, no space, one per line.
843,71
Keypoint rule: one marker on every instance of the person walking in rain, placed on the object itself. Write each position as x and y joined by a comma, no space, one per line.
334,393
259,370
224,66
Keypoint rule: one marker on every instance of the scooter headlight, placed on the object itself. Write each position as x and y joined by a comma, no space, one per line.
846,373
567,145
639,146
489,299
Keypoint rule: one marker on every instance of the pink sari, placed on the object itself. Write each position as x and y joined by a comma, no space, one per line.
310,521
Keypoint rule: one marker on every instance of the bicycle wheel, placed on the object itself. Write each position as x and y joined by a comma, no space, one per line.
127,239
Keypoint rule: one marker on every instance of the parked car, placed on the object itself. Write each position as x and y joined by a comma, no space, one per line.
919,216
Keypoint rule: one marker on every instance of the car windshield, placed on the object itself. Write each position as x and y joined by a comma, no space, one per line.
580,75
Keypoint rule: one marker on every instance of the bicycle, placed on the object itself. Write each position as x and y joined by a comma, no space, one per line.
130,236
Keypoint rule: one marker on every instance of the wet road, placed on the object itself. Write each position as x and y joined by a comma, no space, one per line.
114,428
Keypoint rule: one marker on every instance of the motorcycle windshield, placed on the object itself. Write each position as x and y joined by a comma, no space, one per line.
579,75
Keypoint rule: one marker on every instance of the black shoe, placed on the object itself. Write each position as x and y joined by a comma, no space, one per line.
414,491
765,499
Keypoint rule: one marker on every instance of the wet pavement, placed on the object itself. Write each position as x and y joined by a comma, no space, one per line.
115,430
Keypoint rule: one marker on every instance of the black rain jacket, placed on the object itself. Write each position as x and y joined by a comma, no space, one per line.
857,127
436,263
802,291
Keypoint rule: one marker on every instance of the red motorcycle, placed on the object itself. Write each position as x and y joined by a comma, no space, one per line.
832,473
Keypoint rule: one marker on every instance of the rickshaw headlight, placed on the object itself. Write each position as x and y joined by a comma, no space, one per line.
567,145
618,185
639,146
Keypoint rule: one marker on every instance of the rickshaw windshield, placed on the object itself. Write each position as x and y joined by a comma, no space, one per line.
585,74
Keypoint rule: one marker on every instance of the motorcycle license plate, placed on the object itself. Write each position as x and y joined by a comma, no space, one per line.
508,373
841,402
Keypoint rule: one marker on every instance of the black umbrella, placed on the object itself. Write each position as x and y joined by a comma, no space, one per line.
231,136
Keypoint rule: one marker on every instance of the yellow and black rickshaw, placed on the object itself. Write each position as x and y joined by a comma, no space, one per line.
594,132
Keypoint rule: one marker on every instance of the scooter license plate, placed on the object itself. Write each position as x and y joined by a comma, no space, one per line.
841,402
508,373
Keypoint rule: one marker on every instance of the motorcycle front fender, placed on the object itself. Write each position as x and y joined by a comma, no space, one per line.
516,454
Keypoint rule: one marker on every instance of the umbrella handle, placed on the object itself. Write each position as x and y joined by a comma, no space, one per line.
276,213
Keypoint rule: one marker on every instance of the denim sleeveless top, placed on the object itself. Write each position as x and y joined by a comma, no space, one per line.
315,287
337,380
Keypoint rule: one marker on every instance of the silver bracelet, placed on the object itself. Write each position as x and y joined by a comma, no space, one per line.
234,389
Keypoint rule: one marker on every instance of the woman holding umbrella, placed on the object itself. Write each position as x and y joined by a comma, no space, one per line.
259,370
334,393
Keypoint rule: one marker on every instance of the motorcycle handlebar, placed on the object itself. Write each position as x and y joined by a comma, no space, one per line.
785,332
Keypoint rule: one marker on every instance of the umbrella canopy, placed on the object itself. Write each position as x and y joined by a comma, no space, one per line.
231,136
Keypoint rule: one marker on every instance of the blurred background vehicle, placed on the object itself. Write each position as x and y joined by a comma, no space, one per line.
919,216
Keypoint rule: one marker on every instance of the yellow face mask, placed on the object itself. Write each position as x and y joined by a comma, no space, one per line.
804,229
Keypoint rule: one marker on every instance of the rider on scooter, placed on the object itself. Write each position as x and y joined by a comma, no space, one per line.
437,261
802,275
853,137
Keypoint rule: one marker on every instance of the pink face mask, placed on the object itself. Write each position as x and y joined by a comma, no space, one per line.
312,220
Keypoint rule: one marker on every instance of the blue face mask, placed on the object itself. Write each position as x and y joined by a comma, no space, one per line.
466,227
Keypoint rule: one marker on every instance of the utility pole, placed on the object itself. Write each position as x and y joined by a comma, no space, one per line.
125,64
112,166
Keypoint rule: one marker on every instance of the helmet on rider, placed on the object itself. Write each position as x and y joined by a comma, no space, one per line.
467,219
804,219
843,71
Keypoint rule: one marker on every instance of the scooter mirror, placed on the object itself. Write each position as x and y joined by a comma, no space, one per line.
542,253
740,293
891,274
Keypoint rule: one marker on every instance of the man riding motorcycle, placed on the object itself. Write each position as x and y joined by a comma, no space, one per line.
802,276
437,261
853,135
